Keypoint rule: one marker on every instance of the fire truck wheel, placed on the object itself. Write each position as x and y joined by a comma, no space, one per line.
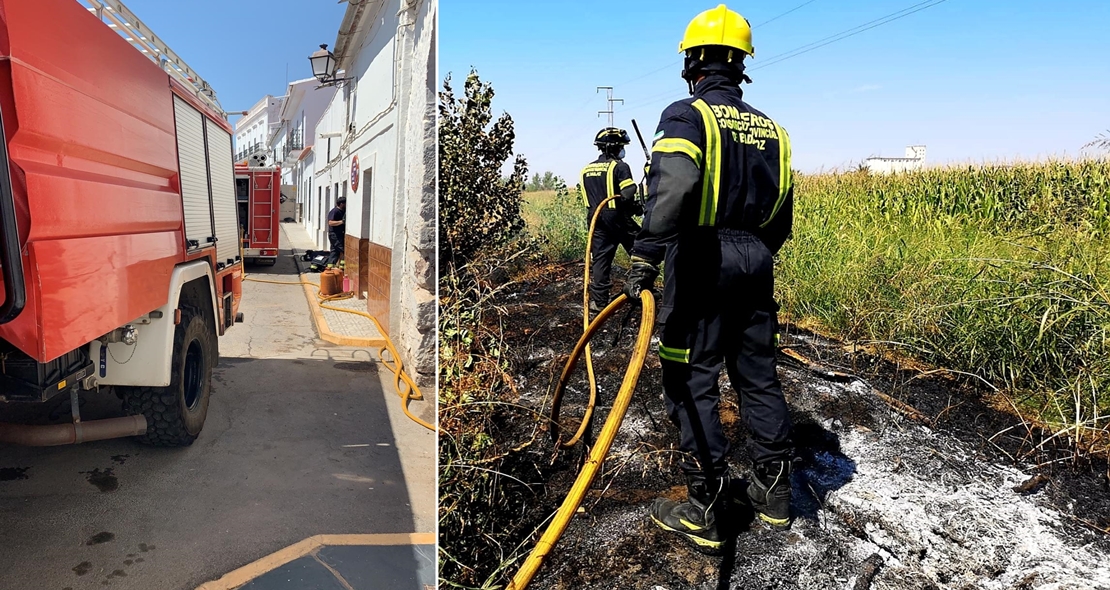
175,414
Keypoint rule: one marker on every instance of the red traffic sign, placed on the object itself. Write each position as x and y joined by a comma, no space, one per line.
354,174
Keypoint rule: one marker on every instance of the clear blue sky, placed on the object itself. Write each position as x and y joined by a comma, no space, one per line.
242,48
974,80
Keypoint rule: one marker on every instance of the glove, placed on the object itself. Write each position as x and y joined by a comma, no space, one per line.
634,206
641,276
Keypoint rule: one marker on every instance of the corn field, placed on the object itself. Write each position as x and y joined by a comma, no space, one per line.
1000,271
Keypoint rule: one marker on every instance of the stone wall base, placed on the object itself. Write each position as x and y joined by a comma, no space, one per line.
357,256
377,288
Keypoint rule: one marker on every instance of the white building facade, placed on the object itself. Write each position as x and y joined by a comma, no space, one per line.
914,160
291,141
375,145
253,130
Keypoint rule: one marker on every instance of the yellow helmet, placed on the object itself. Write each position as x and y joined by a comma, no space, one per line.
718,26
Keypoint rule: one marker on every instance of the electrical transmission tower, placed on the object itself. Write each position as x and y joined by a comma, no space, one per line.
610,100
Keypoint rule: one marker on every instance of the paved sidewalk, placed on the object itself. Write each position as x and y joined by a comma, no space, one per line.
345,325
349,324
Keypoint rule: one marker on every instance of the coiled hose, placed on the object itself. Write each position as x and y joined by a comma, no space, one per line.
612,423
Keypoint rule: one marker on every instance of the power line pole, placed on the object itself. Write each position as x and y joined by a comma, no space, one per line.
610,100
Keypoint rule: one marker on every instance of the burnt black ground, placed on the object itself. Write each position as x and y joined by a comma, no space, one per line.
930,500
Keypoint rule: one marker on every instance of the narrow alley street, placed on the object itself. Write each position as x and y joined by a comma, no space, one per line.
303,438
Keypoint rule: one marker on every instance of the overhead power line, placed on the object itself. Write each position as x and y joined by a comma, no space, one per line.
675,63
849,33
655,71
797,51
775,18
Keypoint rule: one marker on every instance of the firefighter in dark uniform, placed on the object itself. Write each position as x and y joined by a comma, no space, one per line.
719,206
606,176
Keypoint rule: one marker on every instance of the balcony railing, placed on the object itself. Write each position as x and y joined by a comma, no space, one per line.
295,141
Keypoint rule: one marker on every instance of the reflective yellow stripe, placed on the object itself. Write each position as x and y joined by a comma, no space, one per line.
592,170
673,145
627,183
774,521
786,175
585,199
609,183
711,177
678,355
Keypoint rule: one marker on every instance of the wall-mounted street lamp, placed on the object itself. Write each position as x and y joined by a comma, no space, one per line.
323,66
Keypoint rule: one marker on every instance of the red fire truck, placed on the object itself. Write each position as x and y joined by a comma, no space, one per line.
118,223
258,193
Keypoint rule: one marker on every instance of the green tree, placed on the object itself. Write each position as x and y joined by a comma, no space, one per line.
478,207
548,182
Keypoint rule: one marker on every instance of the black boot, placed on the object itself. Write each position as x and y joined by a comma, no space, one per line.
695,518
769,492
736,491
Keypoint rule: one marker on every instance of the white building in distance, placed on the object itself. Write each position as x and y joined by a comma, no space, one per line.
376,145
252,132
914,160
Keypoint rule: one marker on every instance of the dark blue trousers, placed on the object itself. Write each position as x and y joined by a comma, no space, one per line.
720,310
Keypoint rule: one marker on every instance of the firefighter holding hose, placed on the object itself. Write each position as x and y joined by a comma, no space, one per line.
606,176
719,206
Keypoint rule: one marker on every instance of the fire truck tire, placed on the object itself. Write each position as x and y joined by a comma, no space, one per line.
175,414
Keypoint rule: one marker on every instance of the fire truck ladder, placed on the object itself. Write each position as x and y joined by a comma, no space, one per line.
123,21
264,209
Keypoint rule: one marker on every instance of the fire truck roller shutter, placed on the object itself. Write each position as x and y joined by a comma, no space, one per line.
194,175
222,174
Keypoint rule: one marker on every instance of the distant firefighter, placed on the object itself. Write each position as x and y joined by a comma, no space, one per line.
606,176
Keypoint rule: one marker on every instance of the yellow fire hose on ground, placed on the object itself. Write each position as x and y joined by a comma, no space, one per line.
612,423
395,365
605,437
557,399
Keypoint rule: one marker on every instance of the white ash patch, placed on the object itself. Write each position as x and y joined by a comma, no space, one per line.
545,353
859,387
936,509
610,526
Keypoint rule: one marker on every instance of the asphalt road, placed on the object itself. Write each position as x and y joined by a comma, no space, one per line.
301,439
